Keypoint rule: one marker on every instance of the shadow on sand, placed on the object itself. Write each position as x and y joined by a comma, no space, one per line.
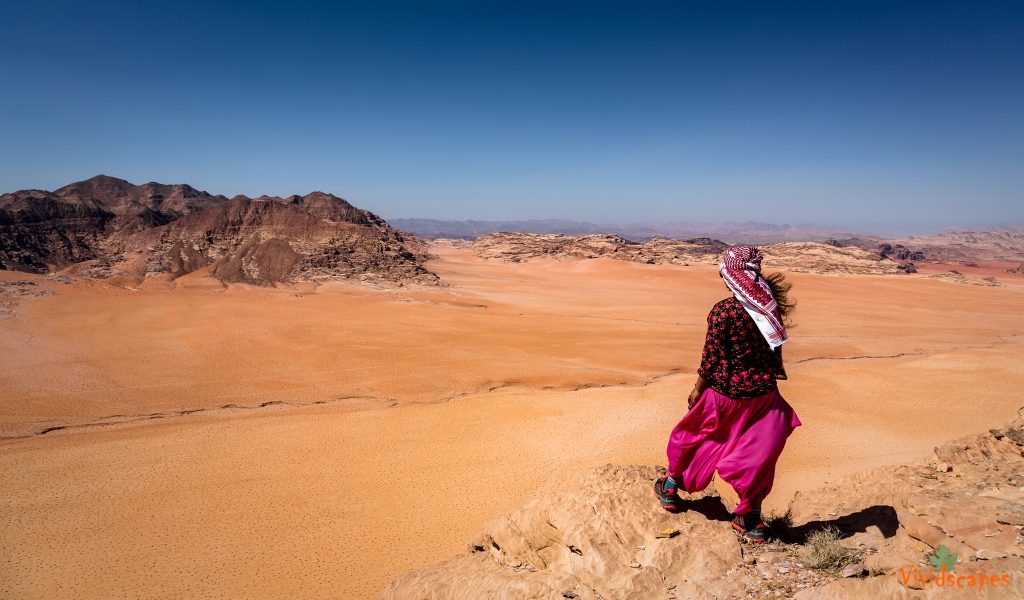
881,516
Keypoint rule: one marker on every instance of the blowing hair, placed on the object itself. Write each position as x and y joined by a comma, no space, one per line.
780,289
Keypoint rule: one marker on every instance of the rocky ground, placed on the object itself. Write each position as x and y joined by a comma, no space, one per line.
608,538
14,289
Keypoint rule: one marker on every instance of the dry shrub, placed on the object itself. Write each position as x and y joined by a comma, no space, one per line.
781,525
823,552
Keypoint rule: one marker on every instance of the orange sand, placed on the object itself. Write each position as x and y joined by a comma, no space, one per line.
401,421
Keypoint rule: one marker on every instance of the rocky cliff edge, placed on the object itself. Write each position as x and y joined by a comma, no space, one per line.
962,506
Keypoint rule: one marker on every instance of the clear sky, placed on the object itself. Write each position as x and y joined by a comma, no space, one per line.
887,116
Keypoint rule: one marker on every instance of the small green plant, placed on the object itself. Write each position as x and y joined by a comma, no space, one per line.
823,552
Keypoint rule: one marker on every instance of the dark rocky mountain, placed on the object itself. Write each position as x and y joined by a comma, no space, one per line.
133,231
40,231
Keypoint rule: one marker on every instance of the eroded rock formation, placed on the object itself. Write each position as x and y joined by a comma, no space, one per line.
791,256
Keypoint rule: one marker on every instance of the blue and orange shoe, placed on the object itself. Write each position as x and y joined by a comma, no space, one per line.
750,528
669,499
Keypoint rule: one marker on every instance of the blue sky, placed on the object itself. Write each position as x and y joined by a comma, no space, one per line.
882,116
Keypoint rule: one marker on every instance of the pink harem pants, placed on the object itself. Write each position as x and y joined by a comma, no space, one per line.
742,439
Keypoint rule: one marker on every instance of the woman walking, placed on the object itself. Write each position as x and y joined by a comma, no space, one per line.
738,422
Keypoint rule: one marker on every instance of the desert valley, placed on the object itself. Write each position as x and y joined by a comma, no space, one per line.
290,398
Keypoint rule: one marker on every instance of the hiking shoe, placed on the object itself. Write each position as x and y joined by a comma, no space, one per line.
752,530
669,500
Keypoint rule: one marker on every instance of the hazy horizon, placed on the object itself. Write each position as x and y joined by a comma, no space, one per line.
838,228
875,117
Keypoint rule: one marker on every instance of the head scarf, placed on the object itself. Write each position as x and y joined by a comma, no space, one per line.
741,270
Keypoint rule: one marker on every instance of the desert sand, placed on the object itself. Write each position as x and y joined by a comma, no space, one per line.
248,442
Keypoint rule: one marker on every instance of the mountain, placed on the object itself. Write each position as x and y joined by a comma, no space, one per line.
138,207
132,231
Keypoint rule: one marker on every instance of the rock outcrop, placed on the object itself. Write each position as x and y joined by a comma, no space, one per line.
792,256
810,257
899,252
605,538
130,231
1002,244
40,231
958,277
521,247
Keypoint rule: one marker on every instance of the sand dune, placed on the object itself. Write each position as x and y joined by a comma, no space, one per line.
279,443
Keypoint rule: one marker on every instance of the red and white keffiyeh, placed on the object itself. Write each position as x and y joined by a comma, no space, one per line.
741,270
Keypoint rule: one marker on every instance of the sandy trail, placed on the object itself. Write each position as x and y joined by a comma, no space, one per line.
409,454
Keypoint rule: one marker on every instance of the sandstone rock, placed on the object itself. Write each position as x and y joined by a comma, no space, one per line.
611,514
791,256
958,277
809,257
897,551
872,588
1002,243
521,247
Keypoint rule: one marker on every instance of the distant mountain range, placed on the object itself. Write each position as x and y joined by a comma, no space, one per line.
1002,243
749,232
105,227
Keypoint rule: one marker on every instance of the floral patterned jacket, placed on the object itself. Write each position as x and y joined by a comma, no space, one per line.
737,361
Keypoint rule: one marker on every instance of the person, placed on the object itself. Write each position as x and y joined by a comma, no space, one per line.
737,421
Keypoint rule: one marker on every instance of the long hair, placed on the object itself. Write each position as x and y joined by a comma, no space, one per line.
780,289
